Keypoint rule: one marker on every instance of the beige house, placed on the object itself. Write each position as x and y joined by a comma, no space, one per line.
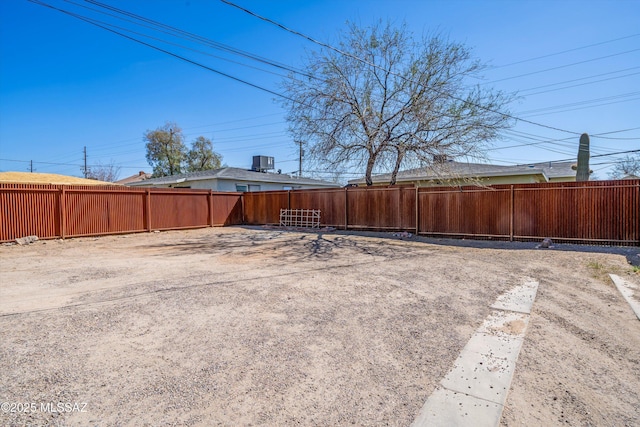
457,173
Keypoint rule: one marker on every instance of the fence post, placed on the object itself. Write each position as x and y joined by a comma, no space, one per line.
147,209
511,216
210,205
399,211
242,207
417,212
63,213
288,199
346,207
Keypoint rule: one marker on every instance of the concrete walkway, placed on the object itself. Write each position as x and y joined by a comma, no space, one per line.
629,291
474,391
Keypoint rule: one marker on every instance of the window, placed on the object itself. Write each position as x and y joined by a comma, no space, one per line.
247,187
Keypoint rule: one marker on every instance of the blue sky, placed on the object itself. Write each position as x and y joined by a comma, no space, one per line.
66,84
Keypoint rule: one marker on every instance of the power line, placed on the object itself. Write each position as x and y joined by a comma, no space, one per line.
176,44
193,62
185,35
579,84
191,35
575,104
538,141
637,138
80,165
270,145
573,159
236,121
105,27
535,142
560,66
582,108
611,162
216,140
249,127
557,150
602,155
581,78
565,51
283,27
615,131
599,135
97,24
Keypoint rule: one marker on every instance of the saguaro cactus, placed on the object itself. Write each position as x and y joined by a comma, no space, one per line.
582,173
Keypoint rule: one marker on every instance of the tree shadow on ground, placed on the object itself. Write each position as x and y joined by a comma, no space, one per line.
289,245
631,253
309,244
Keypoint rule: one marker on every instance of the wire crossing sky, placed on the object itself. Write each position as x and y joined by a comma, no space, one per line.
93,74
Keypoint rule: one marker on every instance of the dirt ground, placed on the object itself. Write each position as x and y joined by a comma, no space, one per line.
242,326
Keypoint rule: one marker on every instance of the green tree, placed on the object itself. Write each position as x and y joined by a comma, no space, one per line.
386,100
166,151
201,156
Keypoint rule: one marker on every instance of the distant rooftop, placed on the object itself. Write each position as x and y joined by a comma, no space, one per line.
46,178
140,176
236,174
462,170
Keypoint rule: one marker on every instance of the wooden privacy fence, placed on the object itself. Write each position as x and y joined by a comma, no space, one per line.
50,211
597,212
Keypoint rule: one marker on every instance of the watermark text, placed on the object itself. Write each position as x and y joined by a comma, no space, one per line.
48,407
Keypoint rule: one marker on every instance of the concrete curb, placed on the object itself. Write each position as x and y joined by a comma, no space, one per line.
474,391
629,291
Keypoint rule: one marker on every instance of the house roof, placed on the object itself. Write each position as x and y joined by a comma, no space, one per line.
235,174
558,169
46,178
461,170
140,176
630,176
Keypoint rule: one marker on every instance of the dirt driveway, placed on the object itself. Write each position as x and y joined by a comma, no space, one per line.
238,326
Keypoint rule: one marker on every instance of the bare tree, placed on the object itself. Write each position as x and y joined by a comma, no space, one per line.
166,151
386,100
629,166
201,157
104,172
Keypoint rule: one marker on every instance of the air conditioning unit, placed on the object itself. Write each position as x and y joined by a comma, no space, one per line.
263,163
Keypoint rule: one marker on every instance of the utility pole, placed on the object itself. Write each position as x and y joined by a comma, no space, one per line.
85,161
300,161
31,167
